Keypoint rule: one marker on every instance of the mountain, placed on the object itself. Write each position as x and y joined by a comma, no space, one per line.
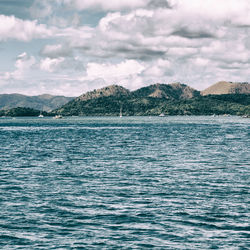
174,91
170,99
223,87
109,100
112,90
41,102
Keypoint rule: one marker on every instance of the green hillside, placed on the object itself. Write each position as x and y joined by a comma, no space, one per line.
168,99
21,111
173,99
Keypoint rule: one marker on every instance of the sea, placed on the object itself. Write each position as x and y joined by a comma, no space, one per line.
173,182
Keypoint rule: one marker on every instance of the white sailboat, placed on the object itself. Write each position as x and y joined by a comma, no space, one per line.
121,112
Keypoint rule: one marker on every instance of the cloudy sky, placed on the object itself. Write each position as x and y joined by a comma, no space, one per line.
68,47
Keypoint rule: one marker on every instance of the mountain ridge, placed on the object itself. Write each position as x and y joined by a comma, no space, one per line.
167,91
172,99
44,102
111,90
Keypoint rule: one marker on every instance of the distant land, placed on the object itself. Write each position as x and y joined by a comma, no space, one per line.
43,102
168,99
21,111
223,87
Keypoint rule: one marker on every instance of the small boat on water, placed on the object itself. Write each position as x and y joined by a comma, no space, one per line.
161,115
41,116
58,117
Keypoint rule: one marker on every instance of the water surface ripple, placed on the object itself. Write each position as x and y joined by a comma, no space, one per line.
130,183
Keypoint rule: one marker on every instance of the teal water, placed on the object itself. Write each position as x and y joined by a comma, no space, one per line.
125,183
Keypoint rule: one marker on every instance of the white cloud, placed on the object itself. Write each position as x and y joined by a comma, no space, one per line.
148,34
158,69
212,9
51,65
137,42
226,52
23,65
15,28
114,71
202,62
143,35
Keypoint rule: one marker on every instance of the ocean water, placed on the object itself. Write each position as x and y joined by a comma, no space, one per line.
125,183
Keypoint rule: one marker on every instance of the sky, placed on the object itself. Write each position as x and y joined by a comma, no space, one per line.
69,47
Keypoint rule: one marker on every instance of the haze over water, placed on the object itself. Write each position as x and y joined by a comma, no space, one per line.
122,183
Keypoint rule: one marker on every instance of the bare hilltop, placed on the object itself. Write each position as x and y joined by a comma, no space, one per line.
223,87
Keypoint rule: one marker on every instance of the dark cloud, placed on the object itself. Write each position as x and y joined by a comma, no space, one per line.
146,54
159,4
230,67
184,32
126,52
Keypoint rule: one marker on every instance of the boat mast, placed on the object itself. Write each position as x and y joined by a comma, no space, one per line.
121,111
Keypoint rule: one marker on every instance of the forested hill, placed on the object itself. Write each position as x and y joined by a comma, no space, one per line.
156,99
170,99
